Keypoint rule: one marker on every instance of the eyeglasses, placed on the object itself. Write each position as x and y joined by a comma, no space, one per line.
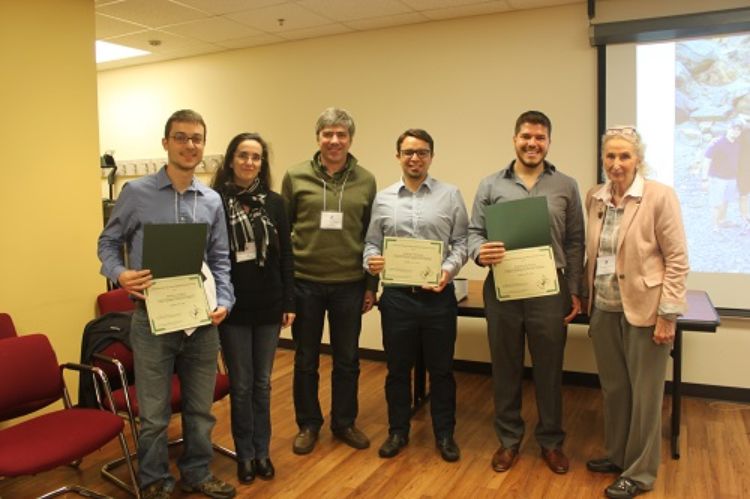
622,130
247,157
182,138
421,153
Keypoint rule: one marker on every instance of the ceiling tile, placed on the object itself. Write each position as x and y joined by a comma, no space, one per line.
142,40
213,29
151,13
535,4
438,4
315,31
110,26
387,21
267,19
228,6
467,10
347,10
251,41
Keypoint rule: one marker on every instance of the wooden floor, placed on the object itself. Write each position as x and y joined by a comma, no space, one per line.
715,451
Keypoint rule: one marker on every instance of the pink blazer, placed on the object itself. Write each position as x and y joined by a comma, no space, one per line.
651,262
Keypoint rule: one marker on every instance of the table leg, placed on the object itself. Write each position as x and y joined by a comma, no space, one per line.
676,393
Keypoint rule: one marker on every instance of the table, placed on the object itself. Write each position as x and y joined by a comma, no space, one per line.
701,316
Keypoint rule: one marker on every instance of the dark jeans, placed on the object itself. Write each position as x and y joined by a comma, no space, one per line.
343,302
249,352
413,322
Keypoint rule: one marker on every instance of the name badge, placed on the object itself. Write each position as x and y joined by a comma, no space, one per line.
605,265
331,220
249,253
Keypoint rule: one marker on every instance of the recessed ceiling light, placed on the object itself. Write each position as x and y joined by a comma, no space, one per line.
106,51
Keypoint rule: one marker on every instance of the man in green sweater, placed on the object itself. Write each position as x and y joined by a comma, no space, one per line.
329,198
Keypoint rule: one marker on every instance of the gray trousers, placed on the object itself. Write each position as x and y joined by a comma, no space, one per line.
631,371
509,324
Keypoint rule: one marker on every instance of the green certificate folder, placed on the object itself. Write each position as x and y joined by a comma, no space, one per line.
521,223
171,250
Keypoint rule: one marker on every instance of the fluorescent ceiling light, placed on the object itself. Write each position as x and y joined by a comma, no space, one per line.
106,51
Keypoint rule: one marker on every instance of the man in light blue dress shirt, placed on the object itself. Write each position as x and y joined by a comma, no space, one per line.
172,195
419,319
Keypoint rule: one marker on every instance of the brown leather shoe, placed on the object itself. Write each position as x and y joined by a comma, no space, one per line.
305,441
503,458
556,460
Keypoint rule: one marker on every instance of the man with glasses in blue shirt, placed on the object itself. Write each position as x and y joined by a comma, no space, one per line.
172,195
419,320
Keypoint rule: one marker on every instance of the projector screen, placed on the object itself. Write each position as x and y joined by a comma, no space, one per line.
690,100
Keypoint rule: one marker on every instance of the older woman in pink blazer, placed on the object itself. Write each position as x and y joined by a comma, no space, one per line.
636,269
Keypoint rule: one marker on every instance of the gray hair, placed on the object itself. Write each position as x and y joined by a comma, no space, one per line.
631,135
334,116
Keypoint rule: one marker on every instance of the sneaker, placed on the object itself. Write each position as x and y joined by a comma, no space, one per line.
213,487
156,491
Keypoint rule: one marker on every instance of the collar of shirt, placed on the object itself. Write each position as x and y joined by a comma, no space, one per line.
163,181
634,191
321,171
510,172
428,184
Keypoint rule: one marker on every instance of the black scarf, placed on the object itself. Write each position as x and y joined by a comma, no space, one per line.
252,224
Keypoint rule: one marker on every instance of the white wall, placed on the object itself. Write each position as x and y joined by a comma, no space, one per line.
464,80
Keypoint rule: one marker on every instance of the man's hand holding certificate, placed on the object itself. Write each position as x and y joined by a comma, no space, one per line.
523,264
176,299
412,262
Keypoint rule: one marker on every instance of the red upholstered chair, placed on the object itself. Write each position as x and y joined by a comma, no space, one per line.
7,328
46,441
117,361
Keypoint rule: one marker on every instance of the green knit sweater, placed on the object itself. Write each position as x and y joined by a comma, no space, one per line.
324,255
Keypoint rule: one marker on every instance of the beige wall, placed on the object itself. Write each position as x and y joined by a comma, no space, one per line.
464,80
50,210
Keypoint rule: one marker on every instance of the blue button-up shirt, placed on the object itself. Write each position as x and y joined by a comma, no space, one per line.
153,200
436,212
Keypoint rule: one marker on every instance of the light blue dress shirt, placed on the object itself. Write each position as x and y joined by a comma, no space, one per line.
152,200
436,212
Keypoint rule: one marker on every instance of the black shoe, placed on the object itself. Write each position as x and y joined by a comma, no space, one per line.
246,470
392,445
622,488
603,465
264,468
353,437
448,449
305,441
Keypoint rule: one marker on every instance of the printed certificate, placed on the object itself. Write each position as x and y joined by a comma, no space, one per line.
177,303
526,273
412,262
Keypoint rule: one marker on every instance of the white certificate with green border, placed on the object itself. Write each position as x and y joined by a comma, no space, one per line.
412,262
177,303
526,273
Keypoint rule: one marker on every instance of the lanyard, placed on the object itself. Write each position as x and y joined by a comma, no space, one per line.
341,192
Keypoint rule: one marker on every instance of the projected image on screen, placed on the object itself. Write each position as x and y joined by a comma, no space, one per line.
712,150
690,100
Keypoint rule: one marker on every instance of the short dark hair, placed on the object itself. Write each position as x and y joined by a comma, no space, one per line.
226,174
535,118
184,115
417,133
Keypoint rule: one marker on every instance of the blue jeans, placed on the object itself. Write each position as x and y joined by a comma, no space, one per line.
343,302
156,360
413,323
249,352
